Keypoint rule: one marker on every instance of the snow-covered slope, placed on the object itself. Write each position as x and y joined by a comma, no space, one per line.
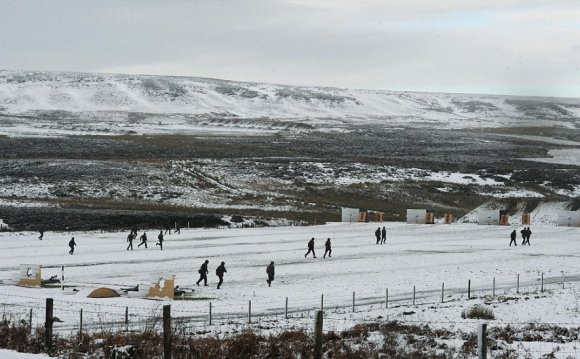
29,92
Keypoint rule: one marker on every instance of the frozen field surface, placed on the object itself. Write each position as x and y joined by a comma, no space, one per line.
420,256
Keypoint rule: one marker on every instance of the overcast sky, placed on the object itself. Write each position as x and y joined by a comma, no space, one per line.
529,47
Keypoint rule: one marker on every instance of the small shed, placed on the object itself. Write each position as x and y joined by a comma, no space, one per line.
526,218
493,217
420,216
569,219
447,218
375,216
350,214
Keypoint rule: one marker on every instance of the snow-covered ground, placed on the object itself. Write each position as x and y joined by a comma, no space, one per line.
424,256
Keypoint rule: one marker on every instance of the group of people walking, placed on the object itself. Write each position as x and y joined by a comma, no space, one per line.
381,235
526,234
143,238
203,271
327,248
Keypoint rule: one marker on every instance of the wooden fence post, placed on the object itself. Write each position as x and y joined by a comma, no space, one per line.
249,312
413,295
518,285
126,319
209,313
322,302
353,296
482,341
442,292
318,335
30,321
386,298
81,322
167,332
286,309
542,287
62,278
469,289
493,291
48,325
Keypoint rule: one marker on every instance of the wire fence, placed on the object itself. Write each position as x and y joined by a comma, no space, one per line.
72,316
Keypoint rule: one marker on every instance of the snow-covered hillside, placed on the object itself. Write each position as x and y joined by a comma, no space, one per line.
109,97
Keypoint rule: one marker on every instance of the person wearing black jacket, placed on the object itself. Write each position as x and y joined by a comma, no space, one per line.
270,272
160,238
327,249
130,240
513,236
310,248
72,244
203,273
143,239
220,273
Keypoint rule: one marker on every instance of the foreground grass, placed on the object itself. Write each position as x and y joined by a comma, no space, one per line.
373,340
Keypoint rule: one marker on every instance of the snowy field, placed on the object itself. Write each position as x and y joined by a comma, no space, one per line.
424,256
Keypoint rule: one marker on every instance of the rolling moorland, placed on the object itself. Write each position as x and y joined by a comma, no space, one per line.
97,151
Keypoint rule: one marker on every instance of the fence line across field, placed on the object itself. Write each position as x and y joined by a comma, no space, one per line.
97,316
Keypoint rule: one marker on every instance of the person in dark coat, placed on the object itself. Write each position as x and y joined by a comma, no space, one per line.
270,271
310,248
143,239
177,229
167,229
130,238
327,248
378,235
72,244
513,236
203,273
160,238
384,235
220,273
526,232
41,234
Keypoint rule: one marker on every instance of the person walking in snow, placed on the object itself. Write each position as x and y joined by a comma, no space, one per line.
378,235
513,236
327,249
270,272
384,235
177,229
203,273
167,229
72,244
160,238
310,248
41,234
220,273
526,233
143,239
130,238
